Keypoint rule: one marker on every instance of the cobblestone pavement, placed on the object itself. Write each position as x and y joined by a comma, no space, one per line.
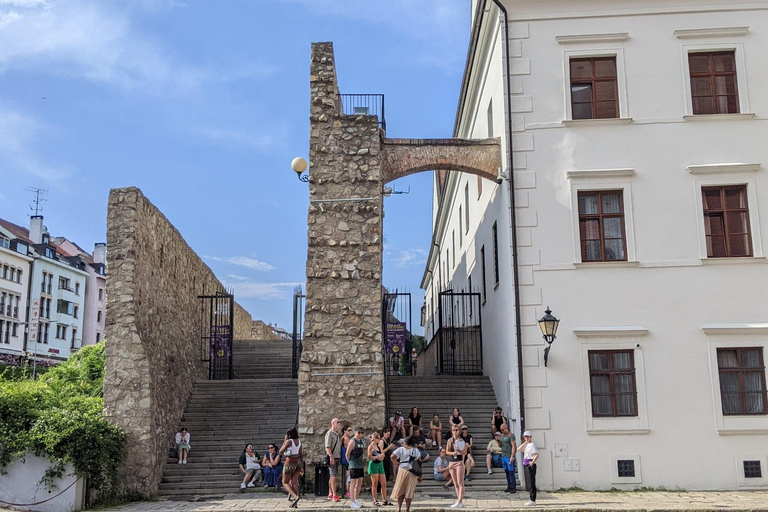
581,501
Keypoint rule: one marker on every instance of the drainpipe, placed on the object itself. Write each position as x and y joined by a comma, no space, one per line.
513,221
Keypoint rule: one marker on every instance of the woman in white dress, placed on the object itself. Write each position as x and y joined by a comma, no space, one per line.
182,445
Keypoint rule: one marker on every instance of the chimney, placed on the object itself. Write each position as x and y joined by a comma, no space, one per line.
36,229
100,253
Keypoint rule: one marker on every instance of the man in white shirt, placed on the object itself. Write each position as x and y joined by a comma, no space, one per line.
397,424
441,469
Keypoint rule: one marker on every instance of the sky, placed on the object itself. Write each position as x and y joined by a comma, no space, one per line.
203,105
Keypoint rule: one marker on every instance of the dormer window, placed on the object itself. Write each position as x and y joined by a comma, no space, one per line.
50,253
46,238
4,242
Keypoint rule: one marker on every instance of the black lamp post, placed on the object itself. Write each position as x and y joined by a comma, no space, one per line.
548,324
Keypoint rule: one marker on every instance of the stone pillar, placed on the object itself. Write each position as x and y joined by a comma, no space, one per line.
342,369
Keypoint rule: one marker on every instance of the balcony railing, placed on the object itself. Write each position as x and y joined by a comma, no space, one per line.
366,105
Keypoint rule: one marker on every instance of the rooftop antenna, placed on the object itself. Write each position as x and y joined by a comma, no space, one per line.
38,200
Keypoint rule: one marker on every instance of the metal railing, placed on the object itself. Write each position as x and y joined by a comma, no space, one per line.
364,104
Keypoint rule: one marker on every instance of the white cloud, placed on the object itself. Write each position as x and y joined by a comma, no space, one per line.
410,258
18,136
264,291
259,141
237,277
244,261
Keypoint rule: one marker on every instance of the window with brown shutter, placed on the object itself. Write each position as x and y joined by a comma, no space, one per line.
742,381
594,91
713,82
601,226
726,221
612,383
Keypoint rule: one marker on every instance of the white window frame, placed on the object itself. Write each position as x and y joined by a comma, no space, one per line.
724,178
614,338
616,479
735,336
751,482
596,180
741,76
621,81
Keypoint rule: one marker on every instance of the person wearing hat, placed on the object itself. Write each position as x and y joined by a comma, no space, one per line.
530,456
493,453
397,424
356,473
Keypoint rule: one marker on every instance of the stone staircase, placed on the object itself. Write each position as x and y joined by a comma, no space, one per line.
222,416
475,398
255,359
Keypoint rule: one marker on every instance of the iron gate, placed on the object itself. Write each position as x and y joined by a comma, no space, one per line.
298,329
397,343
216,328
459,337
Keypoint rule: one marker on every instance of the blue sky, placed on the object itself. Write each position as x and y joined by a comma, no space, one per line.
202,105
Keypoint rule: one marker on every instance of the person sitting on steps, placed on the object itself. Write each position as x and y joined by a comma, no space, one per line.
249,466
182,445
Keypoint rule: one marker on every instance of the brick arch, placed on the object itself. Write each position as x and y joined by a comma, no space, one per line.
403,157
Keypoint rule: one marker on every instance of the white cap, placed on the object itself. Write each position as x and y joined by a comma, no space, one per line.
527,433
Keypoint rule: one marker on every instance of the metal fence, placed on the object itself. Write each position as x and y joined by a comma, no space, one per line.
459,337
366,105
298,330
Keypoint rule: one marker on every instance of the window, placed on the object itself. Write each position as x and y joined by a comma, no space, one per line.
742,380
5,271
47,309
713,82
98,316
98,337
101,293
482,271
489,118
12,276
594,89
18,276
46,331
65,307
466,208
74,335
601,226
495,234
5,242
15,330
63,283
77,288
461,228
77,308
726,221
752,469
453,248
612,383
626,468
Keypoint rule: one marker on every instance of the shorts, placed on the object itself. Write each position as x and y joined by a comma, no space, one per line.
439,477
375,467
333,470
356,473
290,468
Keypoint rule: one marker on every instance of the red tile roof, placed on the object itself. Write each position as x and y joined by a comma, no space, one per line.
17,231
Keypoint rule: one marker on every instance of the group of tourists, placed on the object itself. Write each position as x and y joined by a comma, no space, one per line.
267,469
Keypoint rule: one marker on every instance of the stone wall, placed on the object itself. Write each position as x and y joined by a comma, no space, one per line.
341,372
243,328
152,331
262,331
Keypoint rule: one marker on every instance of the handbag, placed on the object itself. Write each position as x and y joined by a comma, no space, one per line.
414,466
327,460
357,452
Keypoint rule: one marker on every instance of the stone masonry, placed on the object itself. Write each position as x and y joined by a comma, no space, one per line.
152,332
341,371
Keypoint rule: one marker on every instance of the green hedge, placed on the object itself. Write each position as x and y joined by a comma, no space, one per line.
60,416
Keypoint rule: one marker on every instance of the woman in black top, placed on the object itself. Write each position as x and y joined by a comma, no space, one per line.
414,420
456,420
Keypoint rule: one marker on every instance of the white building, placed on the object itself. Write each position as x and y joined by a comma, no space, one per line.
15,267
641,229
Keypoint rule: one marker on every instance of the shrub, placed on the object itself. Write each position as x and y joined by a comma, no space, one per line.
60,415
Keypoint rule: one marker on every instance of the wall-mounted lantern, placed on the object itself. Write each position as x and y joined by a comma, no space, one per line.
548,324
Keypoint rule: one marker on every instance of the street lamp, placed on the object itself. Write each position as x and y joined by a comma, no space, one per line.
299,165
548,324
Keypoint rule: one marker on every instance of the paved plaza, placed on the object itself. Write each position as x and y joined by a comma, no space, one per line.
582,501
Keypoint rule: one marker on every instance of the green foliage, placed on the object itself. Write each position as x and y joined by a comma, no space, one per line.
60,415
419,342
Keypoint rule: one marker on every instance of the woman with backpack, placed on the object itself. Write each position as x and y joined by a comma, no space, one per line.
408,473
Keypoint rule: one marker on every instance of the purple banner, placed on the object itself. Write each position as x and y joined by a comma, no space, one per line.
396,337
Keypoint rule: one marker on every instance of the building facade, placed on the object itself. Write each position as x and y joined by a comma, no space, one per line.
15,267
639,183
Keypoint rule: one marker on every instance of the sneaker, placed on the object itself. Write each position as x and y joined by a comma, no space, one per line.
181,461
250,484
336,499
468,478
242,486
490,472
458,504
355,504
330,497
185,461
347,495
529,503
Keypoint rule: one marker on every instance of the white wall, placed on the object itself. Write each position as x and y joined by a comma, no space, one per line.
19,289
669,304
21,487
